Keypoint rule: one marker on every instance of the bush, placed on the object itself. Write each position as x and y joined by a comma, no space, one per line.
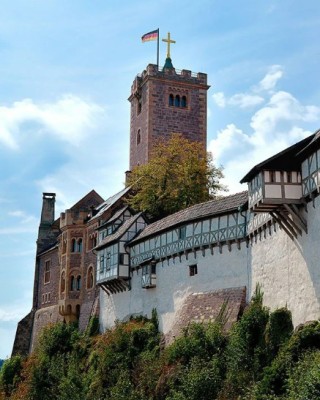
279,330
274,381
304,379
246,352
10,374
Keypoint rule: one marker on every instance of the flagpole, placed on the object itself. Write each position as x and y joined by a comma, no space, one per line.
158,51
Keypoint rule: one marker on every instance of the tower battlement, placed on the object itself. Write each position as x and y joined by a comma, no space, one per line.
166,101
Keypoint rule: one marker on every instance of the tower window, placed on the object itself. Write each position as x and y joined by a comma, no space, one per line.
73,245
171,100
138,137
90,278
47,271
72,283
79,245
78,285
139,108
63,282
183,101
177,101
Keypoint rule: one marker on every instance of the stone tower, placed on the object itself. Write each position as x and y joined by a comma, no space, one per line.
164,102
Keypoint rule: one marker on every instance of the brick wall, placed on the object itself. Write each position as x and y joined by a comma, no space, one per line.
158,119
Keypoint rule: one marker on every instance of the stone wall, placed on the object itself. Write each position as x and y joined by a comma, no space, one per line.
22,341
288,270
174,284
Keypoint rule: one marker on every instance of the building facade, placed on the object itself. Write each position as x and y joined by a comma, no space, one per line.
102,258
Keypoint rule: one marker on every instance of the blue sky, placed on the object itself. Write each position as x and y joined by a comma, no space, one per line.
65,75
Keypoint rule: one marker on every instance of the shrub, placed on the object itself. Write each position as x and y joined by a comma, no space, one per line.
274,381
10,374
246,350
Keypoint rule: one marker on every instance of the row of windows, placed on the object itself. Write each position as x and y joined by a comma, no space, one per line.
177,101
46,298
75,282
76,244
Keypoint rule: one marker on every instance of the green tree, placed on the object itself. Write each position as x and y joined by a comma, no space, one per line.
180,173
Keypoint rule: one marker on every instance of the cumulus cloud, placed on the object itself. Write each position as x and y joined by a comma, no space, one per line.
270,80
245,100
252,97
69,119
280,122
219,99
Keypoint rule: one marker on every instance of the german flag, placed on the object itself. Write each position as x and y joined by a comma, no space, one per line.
147,37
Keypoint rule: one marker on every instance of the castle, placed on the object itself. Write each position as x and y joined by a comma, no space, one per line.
101,258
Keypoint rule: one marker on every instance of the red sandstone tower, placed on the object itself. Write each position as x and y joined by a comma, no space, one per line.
166,101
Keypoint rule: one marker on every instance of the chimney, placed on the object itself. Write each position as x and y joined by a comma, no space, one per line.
47,219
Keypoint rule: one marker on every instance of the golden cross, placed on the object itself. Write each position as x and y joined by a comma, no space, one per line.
168,41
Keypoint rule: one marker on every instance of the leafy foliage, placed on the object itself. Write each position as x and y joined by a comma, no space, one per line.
179,174
259,359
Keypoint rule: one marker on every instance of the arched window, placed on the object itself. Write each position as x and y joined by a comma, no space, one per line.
79,245
184,101
171,99
138,137
90,278
78,285
72,283
63,282
73,245
177,101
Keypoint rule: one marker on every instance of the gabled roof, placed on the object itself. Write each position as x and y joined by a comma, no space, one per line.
197,212
286,160
114,217
89,200
119,232
312,146
105,205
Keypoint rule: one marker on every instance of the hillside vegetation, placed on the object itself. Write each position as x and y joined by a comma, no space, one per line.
261,358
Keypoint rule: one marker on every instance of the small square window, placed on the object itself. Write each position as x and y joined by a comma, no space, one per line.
193,270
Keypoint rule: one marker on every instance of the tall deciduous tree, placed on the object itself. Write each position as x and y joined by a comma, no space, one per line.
180,173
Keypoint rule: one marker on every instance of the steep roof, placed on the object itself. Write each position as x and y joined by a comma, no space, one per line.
105,205
286,160
114,217
89,200
199,211
119,232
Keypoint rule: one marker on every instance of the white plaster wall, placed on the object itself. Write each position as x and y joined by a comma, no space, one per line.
289,271
217,271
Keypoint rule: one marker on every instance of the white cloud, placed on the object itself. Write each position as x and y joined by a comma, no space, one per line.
271,78
23,216
251,98
69,119
245,100
279,123
219,99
